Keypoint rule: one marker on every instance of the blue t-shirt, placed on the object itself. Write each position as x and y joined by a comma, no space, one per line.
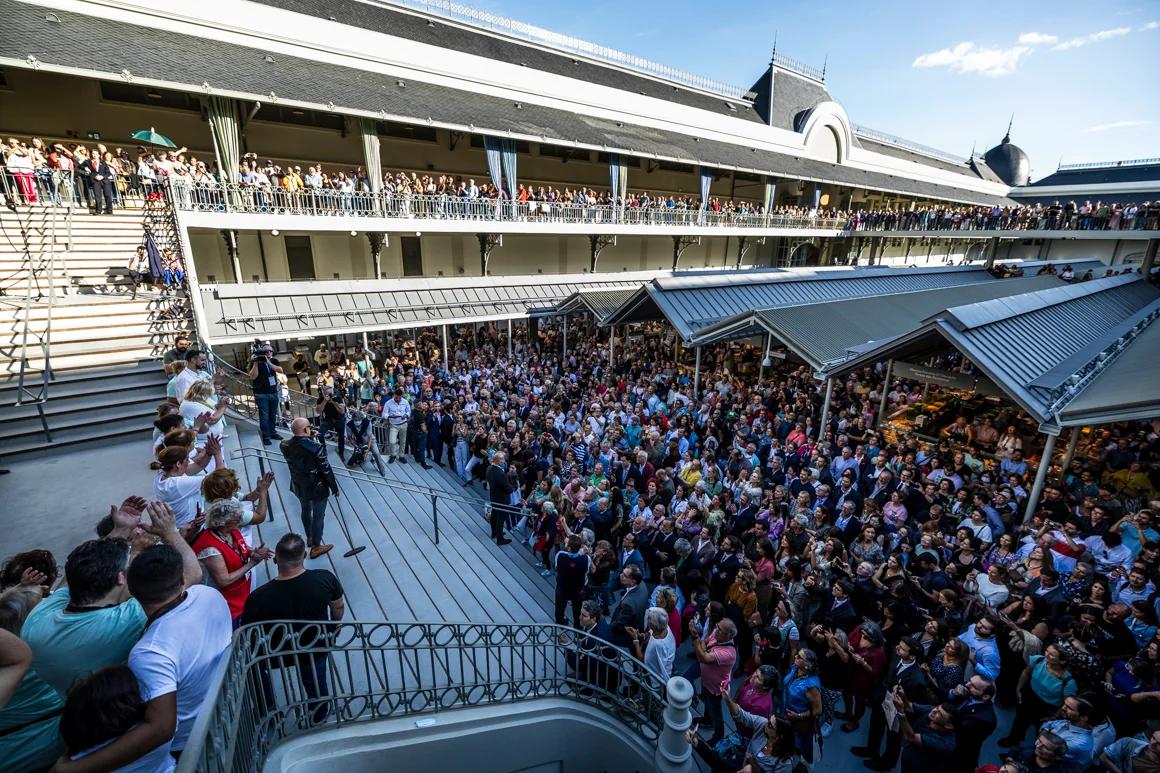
66,645
796,689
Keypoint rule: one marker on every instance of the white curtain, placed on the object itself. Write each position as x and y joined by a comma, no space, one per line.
372,156
224,125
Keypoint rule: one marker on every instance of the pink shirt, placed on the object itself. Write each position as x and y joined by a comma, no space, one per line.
713,674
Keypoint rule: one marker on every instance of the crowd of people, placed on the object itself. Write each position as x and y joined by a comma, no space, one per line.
107,658
101,177
842,577
808,579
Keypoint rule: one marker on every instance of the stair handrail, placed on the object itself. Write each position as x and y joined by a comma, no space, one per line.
380,670
26,395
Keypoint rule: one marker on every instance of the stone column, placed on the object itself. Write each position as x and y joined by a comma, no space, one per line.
674,754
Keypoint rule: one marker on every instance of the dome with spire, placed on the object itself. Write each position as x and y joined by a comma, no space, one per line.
1009,162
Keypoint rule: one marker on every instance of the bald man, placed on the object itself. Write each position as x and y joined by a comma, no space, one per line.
311,480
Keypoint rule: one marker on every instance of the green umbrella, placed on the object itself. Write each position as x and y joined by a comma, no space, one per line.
151,137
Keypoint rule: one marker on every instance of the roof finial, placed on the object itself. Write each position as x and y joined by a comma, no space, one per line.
825,62
973,143
1007,136
773,55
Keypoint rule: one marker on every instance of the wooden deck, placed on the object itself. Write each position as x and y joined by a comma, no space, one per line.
403,575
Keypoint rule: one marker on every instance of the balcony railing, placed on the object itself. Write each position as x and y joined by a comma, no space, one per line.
361,204
286,679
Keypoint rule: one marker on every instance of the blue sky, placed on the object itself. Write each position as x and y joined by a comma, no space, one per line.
1080,78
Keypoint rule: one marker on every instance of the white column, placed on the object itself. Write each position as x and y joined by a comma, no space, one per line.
366,345
825,410
674,754
446,366
564,356
1070,452
1040,478
509,340
885,392
611,346
697,377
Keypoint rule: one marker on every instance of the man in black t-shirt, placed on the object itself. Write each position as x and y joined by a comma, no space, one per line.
297,593
264,370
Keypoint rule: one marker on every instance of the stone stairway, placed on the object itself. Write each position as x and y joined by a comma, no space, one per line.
104,339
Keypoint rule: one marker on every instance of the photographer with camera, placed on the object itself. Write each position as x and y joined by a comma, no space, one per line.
264,370
331,410
359,434
311,480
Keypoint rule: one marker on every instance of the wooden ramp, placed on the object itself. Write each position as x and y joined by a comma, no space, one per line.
403,575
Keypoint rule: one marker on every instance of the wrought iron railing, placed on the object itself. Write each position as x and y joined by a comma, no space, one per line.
1109,164
285,679
325,202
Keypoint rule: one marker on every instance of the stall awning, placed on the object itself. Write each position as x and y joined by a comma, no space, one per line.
823,334
241,312
1047,349
692,303
599,303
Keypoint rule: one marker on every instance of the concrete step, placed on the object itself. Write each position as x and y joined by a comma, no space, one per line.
84,381
136,322
23,421
93,357
127,426
88,340
64,336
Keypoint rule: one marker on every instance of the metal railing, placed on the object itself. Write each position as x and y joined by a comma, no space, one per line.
284,679
528,32
905,144
237,385
233,197
1108,164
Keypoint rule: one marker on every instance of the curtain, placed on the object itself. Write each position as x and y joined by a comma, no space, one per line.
372,156
768,197
817,195
491,149
614,177
156,264
223,124
706,181
508,163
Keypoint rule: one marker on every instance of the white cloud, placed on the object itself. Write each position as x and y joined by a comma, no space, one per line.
966,57
1104,127
1152,25
1037,39
1094,37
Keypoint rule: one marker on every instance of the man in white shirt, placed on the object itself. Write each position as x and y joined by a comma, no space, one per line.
397,412
195,370
187,632
660,648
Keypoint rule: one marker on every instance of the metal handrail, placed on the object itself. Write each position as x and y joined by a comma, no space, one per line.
386,670
1109,164
237,198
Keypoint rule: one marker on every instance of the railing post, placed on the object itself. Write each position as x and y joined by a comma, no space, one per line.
269,503
673,750
435,516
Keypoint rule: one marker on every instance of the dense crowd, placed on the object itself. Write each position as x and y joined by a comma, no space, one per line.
840,576
101,177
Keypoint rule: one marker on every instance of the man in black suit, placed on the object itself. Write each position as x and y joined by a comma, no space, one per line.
904,671
447,436
592,649
630,608
839,613
844,492
976,705
499,494
435,433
